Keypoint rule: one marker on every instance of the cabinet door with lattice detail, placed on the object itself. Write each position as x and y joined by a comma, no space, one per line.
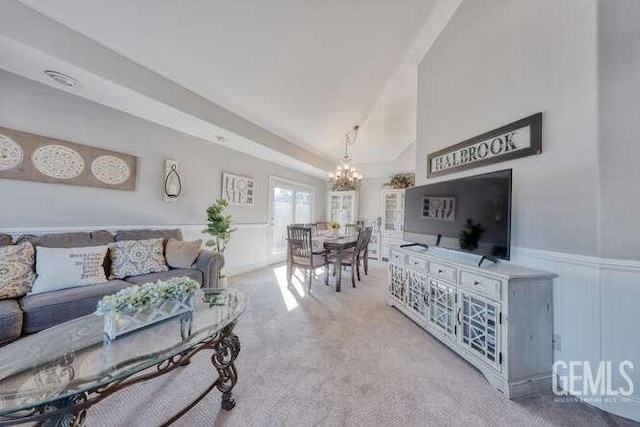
442,302
417,291
479,329
396,282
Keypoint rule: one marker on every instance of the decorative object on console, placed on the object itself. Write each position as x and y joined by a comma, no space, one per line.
346,177
439,208
138,306
29,157
172,182
62,268
401,181
181,254
136,257
518,139
16,270
238,190
470,235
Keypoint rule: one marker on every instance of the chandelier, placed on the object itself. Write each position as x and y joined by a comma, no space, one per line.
346,177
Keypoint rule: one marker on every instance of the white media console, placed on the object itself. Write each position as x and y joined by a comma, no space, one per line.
498,317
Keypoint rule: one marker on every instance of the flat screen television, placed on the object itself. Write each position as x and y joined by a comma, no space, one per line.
471,214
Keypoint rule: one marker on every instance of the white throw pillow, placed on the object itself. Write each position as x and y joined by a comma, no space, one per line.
62,268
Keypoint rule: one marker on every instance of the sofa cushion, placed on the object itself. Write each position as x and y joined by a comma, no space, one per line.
42,311
16,270
80,239
5,240
136,257
148,234
177,272
10,320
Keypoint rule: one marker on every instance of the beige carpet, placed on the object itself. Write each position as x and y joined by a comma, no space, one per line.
335,359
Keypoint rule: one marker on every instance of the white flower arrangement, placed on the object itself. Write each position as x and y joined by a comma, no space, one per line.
137,298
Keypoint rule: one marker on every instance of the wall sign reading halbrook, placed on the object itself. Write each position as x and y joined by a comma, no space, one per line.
517,139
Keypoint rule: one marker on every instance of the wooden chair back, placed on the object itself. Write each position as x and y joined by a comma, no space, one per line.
322,226
367,238
299,243
351,229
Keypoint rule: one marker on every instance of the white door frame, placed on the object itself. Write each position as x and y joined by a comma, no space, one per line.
273,179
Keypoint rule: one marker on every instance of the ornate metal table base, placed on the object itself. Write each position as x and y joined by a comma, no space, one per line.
72,410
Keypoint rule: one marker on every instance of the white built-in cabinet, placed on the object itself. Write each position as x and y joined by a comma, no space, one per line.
497,317
392,220
342,207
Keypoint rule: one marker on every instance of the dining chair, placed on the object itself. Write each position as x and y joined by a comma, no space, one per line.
301,253
364,254
350,229
348,258
322,225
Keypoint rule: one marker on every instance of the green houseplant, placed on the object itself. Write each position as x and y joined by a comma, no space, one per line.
219,227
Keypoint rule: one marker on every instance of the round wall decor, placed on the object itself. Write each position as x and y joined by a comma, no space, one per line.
11,154
110,170
58,161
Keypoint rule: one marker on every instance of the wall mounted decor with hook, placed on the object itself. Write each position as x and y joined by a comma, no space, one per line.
172,188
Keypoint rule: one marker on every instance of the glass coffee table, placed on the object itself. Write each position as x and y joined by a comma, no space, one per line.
54,376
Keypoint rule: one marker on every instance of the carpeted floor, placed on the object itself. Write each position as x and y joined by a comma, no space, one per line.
335,359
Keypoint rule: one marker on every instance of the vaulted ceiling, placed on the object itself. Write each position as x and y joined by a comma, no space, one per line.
306,71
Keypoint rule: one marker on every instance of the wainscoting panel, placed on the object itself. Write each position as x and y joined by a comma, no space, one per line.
596,316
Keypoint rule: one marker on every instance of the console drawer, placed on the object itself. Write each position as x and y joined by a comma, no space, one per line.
443,271
397,258
417,263
481,284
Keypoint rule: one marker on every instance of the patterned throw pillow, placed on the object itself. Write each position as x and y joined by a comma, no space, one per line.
16,270
136,257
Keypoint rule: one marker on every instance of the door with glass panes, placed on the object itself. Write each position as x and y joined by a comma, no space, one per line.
289,203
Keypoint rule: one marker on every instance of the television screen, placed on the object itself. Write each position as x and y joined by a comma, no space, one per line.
471,214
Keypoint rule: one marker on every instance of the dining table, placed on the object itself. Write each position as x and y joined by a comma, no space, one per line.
336,245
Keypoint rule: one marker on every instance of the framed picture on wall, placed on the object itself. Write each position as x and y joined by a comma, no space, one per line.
238,190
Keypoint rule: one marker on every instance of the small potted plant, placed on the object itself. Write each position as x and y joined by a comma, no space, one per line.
334,227
219,226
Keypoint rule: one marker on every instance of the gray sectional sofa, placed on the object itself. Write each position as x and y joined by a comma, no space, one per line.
33,313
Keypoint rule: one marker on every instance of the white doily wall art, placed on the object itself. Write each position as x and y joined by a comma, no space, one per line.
11,154
58,161
110,170
29,157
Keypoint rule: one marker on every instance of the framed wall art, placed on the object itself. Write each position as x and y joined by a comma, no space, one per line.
28,157
238,190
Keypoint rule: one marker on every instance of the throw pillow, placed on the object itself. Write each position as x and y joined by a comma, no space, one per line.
16,270
137,257
182,254
62,268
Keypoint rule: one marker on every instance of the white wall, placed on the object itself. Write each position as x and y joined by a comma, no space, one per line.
501,60
370,206
36,108
619,148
